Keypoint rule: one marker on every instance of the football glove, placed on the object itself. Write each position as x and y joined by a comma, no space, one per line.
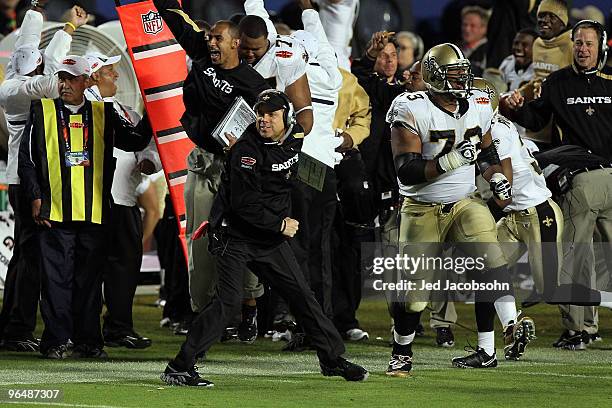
462,154
500,187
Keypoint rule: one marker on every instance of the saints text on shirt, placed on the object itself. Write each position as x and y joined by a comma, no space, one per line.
222,84
589,100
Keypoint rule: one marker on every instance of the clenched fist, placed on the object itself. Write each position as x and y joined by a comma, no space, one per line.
500,187
289,227
462,154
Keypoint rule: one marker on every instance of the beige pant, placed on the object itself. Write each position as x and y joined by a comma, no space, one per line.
532,227
587,208
468,222
443,313
203,180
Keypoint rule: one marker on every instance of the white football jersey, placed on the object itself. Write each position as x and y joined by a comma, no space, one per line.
528,183
285,60
439,132
515,79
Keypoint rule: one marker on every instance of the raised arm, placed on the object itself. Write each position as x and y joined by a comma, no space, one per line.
59,46
257,8
326,55
186,32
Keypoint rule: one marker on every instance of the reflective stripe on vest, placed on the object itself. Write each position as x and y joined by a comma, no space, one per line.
84,189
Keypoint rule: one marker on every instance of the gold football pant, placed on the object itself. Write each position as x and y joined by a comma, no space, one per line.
424,226
540,228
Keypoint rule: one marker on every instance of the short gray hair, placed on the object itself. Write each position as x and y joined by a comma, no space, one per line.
417,42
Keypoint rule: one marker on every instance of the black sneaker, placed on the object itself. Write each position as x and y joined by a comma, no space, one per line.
182,328
595,337
229,333
22,344
88,351
247,330
131,341
445,337
419,331
57,353
300,342
345,369
517,336
172,376
478,359
399,365
567,341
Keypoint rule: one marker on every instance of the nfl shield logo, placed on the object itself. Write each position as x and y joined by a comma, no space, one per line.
152,23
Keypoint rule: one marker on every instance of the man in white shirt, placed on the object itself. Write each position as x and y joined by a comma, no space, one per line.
125,226
277,58
517,69
29,76
315,208
338,18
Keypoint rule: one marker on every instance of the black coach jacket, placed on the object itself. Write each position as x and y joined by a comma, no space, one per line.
255,193
581,106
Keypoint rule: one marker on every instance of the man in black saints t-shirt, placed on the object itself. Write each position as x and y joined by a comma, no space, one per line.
217,77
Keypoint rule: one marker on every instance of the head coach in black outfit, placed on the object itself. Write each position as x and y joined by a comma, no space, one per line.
579,99
66,168
250,224
216,79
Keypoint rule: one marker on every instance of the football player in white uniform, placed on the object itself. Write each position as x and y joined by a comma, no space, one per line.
531,217
276,56
435,136
517,70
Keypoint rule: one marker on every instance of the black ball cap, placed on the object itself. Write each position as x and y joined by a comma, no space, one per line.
269,103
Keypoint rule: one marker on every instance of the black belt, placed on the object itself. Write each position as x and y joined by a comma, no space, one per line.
17,122
446,208
587,169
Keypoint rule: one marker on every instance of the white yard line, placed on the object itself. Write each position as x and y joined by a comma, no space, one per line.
60,404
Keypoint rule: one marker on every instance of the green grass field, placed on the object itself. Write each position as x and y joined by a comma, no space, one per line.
260,375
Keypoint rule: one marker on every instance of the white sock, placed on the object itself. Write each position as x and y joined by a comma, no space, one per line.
486,340
505,307
606,299
403,340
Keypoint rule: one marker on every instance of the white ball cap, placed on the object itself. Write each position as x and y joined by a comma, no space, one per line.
309,42
74,65
97,60
25,60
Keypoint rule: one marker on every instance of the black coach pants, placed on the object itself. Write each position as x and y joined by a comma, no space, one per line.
278,268
73,256
122,269
22,285
315,211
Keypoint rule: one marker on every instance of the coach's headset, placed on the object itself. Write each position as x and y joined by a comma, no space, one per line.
603,42
289,115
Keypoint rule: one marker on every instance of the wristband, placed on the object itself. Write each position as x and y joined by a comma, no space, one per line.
284,226
71,25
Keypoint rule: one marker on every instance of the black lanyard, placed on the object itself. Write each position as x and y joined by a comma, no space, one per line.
66,126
